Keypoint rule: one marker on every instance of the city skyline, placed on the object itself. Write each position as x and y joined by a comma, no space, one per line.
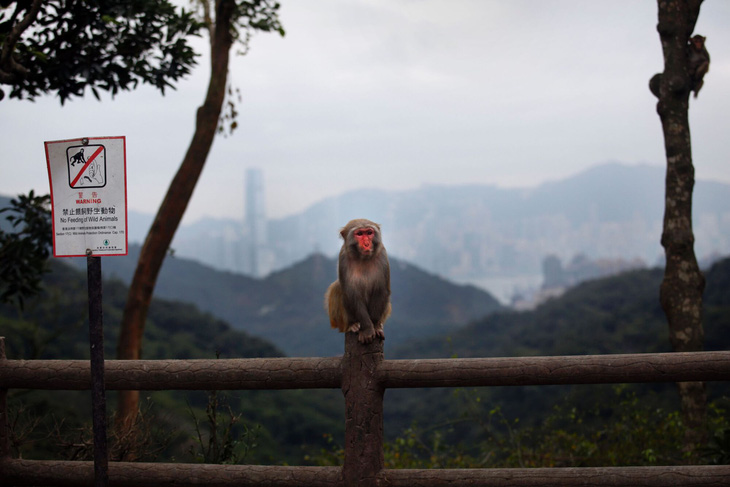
494,238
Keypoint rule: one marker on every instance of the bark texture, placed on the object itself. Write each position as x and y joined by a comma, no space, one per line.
683,283
160,375
173,207
578,369
326,373
558,477
64,473
132,474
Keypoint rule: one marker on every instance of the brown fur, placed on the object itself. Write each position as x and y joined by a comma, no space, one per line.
359,300
699,62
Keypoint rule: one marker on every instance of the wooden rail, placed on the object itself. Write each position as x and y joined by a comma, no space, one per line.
45,472
363,375
159,375
326,373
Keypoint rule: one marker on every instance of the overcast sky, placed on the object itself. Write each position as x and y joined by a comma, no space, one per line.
395,94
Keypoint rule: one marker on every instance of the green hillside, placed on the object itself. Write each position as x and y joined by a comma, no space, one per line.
614,315
286,308
619,314
288,424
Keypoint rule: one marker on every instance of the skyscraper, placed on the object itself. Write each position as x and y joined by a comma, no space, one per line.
256,222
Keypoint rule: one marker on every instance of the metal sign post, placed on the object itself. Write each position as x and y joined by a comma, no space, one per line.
98,394
89,213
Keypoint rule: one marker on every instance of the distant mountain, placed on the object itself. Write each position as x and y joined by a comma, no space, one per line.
479,233
470,233
287,307
609,211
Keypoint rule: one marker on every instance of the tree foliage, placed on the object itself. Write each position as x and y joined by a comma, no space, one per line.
65,46
24,250
246,17
626,430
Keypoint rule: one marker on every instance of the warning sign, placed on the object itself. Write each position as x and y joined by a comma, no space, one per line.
88,196
86,171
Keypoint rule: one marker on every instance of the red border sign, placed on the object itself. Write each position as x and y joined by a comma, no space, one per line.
88,180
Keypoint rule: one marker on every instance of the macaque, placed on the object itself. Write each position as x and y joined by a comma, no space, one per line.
699,62
359,300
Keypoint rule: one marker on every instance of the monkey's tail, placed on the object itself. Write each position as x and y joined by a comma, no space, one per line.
335,306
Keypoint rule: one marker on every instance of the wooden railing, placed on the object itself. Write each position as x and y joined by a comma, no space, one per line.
363,375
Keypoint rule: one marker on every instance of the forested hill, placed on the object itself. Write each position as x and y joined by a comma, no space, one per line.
287,307
55,325
620,314
613,315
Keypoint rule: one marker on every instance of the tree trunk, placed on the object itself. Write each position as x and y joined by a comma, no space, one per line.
683,283
172,208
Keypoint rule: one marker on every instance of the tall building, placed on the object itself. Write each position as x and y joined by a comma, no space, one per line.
255,222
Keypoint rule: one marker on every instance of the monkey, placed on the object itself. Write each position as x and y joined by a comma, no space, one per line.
698,65
359,300
699,62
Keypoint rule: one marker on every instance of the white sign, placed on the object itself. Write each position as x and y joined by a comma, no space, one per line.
88,196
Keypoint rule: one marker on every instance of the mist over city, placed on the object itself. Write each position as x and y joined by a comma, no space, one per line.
600,222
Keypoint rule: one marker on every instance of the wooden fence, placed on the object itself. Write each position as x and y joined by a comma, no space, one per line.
363,375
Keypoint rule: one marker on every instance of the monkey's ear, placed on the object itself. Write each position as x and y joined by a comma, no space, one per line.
343,233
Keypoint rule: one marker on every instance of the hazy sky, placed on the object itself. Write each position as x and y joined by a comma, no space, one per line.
399,93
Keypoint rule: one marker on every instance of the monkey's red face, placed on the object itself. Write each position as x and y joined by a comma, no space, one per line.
364,237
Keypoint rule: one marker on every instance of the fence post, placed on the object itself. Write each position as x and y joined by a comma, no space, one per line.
4,422
363,412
